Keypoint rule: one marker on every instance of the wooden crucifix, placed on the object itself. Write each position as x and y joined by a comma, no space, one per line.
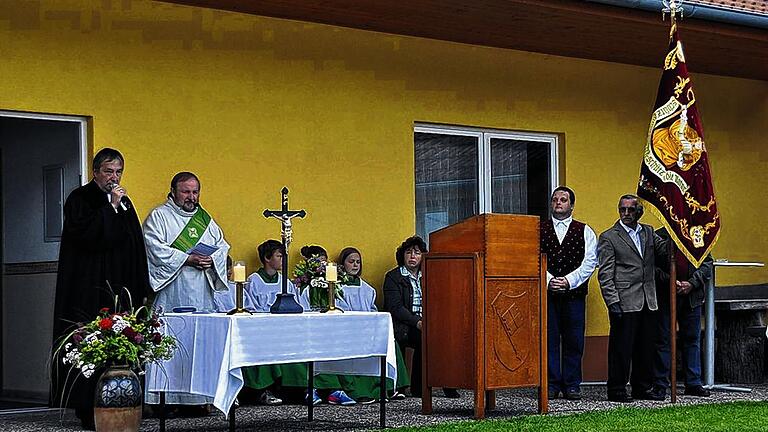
285,303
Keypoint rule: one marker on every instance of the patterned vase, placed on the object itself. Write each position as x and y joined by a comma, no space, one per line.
117,403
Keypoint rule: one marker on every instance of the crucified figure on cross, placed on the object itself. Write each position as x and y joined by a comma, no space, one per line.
285,303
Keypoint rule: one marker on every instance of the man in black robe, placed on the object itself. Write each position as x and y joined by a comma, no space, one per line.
102,255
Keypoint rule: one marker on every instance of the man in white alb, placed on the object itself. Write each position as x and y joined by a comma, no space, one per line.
187,256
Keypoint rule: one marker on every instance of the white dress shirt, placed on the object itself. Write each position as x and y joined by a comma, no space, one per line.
634,234
577,277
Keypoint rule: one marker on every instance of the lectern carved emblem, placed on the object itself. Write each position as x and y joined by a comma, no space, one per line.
509,345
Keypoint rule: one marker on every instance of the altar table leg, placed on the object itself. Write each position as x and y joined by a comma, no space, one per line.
162,411
383,392
232,417
310,388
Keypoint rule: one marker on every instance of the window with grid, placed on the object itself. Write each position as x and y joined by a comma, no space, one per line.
461,172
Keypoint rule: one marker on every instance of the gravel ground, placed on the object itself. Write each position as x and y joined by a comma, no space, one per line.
510,403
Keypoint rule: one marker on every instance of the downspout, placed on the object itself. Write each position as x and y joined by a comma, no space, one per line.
697,11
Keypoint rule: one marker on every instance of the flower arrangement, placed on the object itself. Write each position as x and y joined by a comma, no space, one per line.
131,338
310,274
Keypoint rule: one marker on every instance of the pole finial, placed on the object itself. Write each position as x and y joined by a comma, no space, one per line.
673,8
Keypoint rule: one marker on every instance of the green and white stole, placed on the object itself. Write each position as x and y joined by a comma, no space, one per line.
192,231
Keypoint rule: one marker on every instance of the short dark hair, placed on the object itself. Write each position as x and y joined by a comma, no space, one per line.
310,250
268,248
106,155
181,177
407,244
347,251
571,195
640,208
229,262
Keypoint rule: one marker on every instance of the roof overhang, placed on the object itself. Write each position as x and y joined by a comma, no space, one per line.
568,28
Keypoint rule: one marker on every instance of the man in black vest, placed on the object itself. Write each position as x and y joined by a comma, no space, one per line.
571,248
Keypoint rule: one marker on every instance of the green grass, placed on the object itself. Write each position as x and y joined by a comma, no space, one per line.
737,417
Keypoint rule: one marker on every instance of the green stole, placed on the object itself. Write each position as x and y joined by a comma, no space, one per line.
191,233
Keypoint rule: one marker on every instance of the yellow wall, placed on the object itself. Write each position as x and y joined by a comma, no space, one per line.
251,104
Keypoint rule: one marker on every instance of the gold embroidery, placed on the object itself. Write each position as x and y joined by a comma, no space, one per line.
671,61
696,231
674,56
695,206
680,86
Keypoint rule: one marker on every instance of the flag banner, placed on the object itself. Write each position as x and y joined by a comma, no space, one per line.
675,177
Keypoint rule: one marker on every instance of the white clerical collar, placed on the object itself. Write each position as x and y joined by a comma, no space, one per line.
567,221
630,230
180,210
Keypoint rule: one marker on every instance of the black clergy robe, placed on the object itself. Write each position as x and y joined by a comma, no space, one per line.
100,248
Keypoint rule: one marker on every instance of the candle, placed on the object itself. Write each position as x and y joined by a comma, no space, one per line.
238,272
330,272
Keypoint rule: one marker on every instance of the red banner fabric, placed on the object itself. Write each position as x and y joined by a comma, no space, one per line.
675,178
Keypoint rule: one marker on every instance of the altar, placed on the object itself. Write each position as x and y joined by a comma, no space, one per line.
213,348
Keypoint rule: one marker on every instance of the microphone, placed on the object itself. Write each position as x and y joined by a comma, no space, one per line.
124,203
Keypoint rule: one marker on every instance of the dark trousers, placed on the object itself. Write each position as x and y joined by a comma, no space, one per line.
413,340
630,348
565,341
689,324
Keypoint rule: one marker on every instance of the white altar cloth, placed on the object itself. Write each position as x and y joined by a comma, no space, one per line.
213,348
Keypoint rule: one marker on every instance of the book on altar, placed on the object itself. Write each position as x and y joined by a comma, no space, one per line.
202,249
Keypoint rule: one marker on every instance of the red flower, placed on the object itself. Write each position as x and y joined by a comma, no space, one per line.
157,338
105,324
103,310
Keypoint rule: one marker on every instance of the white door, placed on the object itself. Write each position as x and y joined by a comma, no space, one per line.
42,162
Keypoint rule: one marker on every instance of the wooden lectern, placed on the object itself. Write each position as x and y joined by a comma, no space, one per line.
485,309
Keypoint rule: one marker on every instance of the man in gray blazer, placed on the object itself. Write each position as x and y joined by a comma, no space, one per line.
626,257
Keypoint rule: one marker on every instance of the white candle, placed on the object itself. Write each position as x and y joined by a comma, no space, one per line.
330,273
238,272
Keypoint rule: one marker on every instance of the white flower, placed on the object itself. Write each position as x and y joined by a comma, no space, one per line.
68,346
318,283
92,337
88,370
72,357
119,324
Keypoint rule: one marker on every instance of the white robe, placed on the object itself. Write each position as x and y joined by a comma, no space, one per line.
226,300
177,284
264,294
360,298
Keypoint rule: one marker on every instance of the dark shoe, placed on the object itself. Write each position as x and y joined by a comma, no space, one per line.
697,391
451,393
573,394
620,397
88,424
86,418
651,394
553,394
658,393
